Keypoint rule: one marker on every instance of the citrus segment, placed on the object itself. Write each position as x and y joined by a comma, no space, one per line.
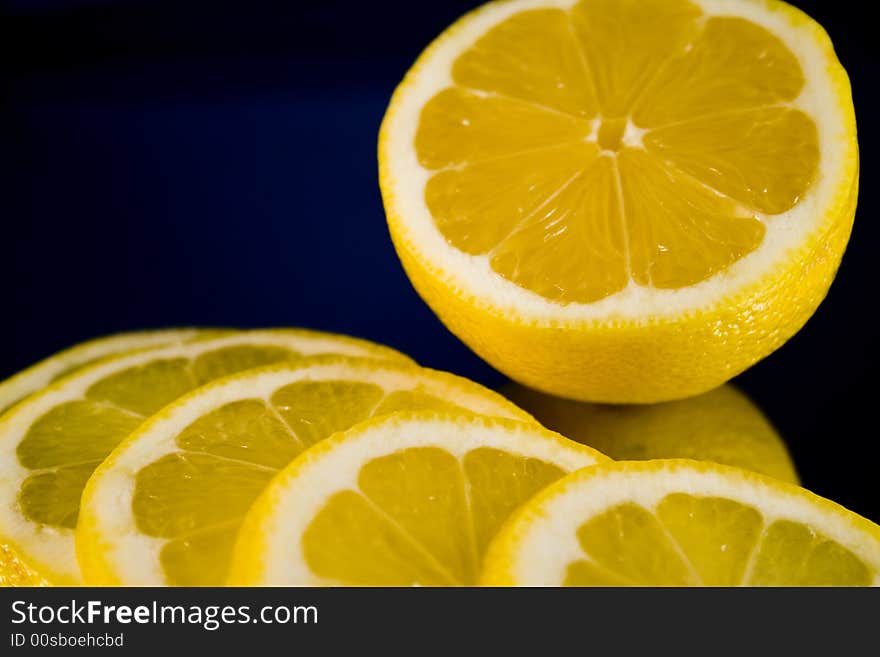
682,523
52,442
193,470
410,499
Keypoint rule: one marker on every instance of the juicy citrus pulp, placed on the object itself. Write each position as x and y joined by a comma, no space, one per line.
614,200
682,523
166,506
52,442
613,142
722,425
411,499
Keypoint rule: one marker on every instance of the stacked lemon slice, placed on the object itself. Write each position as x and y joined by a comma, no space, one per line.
289,457
141,467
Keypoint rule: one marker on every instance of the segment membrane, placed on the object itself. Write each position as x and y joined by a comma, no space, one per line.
498,482
764,158
422,490
533,56
626,42
146,388
74,432
478,206
681,232
247,430
459,127
574,247
731,66
51,497
350,541
792,554
630,542
314,410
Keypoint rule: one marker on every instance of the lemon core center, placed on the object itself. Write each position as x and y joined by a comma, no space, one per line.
611,133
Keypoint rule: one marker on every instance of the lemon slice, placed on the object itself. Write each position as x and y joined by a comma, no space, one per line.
165,507
64,362
723,426
52,441
623,200
682,523
411,499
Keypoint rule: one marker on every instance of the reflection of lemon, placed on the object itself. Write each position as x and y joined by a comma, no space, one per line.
413,498
165,507
51,442
682,523
723,426
623,200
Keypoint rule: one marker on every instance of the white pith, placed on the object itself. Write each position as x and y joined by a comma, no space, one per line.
133,556
545,535
51,549
300,492
472,277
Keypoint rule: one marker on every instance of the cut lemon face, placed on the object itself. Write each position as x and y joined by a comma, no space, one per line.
682,523
52,441
722,425
166,506
623,200
412,499
65,362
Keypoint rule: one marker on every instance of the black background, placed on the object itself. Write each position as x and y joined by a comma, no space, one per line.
186,163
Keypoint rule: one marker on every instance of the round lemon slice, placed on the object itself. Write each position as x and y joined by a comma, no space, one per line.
51,442
64,362
623,200
412,499
166,506
722,425
682,523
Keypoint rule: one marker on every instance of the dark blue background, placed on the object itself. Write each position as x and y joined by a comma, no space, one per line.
215,164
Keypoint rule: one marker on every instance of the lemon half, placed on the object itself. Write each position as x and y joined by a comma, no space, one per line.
623,200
